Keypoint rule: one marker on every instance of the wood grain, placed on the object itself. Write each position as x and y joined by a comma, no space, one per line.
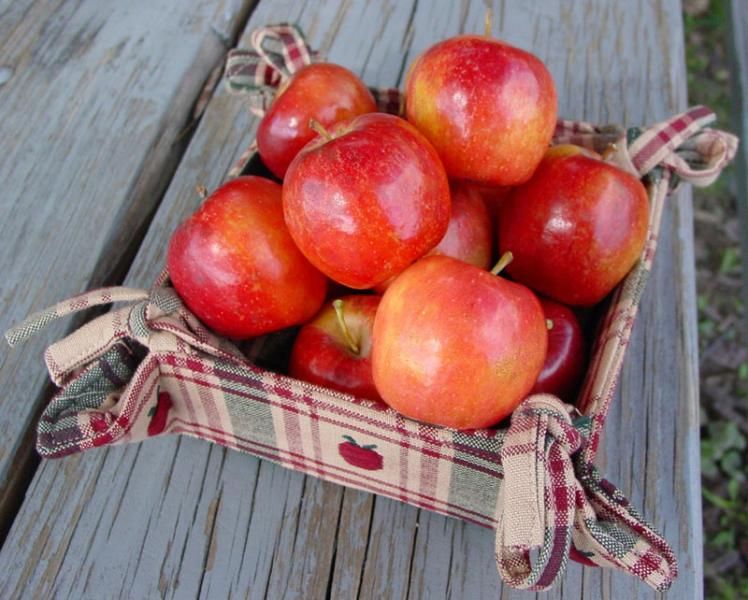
182,518
90,118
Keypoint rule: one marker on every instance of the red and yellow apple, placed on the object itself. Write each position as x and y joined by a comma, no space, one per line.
325,92
366,199
455,345
236,267
488,108
334,349
576,228
567,353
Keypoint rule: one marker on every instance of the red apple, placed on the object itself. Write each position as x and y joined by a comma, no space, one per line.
334,349
455,345
576,228
493,197
469,233
365,200
236,267
325,92
567,351
488,108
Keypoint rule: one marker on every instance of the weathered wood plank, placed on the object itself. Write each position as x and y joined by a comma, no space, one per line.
738,48
182,518
165,551
90,117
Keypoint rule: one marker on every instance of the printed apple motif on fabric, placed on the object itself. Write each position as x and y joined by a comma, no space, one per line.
159,414
363,457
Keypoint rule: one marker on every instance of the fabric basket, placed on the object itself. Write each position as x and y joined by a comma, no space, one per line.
152,368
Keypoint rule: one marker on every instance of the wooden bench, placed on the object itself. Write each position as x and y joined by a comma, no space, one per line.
99,168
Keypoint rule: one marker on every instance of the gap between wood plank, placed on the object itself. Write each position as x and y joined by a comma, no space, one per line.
111,270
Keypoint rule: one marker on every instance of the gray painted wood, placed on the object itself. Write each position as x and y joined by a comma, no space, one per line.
96,96
182,518
739,84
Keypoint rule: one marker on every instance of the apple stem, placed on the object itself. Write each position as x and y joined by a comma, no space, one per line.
505,259
549,324
488,22
202,191
319,128
338,306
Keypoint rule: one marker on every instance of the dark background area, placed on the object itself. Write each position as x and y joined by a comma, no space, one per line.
722,320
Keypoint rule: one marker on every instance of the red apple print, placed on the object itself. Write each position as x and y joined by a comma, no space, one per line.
363,457
98,422
581,557
159,413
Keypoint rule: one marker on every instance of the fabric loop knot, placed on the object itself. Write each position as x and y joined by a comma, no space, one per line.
156,319
552,505
537,499
277,53
682,144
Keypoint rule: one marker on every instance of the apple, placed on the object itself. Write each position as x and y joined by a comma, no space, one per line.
366,199
493,197
576,228
325,92
469,234
488,108
236,267
334,349
567,352
455,345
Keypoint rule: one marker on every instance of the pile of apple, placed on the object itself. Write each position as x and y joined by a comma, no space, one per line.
410,210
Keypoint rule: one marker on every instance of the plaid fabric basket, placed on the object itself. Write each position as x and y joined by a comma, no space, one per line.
152,368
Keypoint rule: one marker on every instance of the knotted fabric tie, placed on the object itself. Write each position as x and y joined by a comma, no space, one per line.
550,498
278,51
683,145
536,504
157,319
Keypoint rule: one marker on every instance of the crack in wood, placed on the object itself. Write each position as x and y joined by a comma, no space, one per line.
155,172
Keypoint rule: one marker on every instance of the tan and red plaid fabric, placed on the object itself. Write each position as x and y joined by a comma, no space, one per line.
152,368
